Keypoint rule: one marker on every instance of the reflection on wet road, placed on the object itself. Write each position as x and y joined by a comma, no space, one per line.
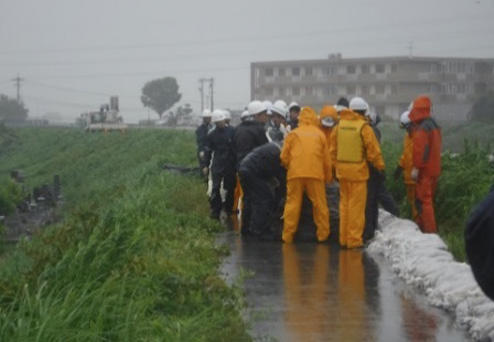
319,292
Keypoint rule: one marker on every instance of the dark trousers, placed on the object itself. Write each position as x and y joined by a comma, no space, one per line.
259,203
229,181
372,206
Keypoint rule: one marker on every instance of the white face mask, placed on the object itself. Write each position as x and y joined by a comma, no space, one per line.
327,122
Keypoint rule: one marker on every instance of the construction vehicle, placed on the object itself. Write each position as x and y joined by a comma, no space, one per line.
106,119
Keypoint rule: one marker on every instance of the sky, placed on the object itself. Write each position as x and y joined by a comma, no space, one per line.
73,55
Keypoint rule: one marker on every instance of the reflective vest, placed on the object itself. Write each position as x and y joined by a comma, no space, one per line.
350,145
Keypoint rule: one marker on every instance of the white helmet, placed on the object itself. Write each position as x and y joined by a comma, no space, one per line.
256,107
218,115
292,105
206,113
405,118
244,114
372,116
228,115
358,103
279,107
269,106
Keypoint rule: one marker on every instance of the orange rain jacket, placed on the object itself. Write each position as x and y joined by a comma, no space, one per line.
309,157
426,138
358,171
406,160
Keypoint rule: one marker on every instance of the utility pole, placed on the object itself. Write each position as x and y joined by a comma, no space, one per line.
410,49
17,81
209,98
211,92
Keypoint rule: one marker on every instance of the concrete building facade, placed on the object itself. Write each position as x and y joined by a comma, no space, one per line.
389,84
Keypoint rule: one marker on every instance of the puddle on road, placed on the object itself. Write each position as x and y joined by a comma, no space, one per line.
319,292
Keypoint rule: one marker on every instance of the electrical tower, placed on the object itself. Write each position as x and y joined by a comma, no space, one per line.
17,81
209,97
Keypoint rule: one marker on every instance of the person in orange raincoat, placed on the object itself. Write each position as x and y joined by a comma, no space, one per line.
405,164
426,139
306,157
353,144
328,118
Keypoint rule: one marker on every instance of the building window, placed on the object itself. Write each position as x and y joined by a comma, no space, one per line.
309,90
268,72
394,89
380,89
365,90
394,67
308,71
351,90
296,71
269,92
281,72
350,69
379,68
364,68
296,91
461,88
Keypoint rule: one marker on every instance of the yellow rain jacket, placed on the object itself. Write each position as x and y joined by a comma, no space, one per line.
355,168
305,153
328,111
406,160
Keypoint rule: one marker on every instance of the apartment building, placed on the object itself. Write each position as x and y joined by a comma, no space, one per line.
389,84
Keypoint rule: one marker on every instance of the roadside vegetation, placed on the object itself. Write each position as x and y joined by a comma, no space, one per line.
134,258
466,177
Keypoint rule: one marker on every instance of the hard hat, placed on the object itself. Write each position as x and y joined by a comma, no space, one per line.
256,107
358,103
227,114
218,115
206,113
244,114
279,107
405,118
328,111
293,105
372,116
328,121
269,106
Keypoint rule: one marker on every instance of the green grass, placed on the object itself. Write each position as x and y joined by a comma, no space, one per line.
134,258
465,179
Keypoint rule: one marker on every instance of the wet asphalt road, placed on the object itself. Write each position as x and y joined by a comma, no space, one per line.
319,292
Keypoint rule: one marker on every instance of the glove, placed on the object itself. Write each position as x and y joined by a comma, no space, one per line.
398,172
414,174
205,171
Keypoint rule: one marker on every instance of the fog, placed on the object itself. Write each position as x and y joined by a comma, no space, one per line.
74,54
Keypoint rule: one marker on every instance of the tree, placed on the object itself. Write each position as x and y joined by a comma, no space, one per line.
483,109
11,110
160,94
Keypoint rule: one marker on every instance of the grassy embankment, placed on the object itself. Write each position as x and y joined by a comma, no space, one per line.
134,258
465,179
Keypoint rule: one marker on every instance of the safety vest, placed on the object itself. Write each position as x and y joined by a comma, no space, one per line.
350,145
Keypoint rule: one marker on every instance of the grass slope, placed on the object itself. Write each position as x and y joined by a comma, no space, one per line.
134,259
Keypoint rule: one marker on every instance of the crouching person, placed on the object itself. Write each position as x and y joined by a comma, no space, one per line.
306,157
260,172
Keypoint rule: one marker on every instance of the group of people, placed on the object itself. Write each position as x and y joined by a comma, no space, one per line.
279,153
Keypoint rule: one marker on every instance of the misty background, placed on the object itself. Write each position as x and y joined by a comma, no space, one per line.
74,55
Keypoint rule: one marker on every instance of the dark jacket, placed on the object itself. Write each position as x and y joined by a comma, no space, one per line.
201,135
219,142
479,243
264,161
248,135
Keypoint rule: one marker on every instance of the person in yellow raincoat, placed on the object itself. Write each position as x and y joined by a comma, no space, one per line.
405,165
353,145
328,118
305,155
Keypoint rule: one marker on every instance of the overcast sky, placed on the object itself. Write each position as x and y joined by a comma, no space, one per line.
74,54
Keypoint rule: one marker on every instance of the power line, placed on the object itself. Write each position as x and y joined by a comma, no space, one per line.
255,38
